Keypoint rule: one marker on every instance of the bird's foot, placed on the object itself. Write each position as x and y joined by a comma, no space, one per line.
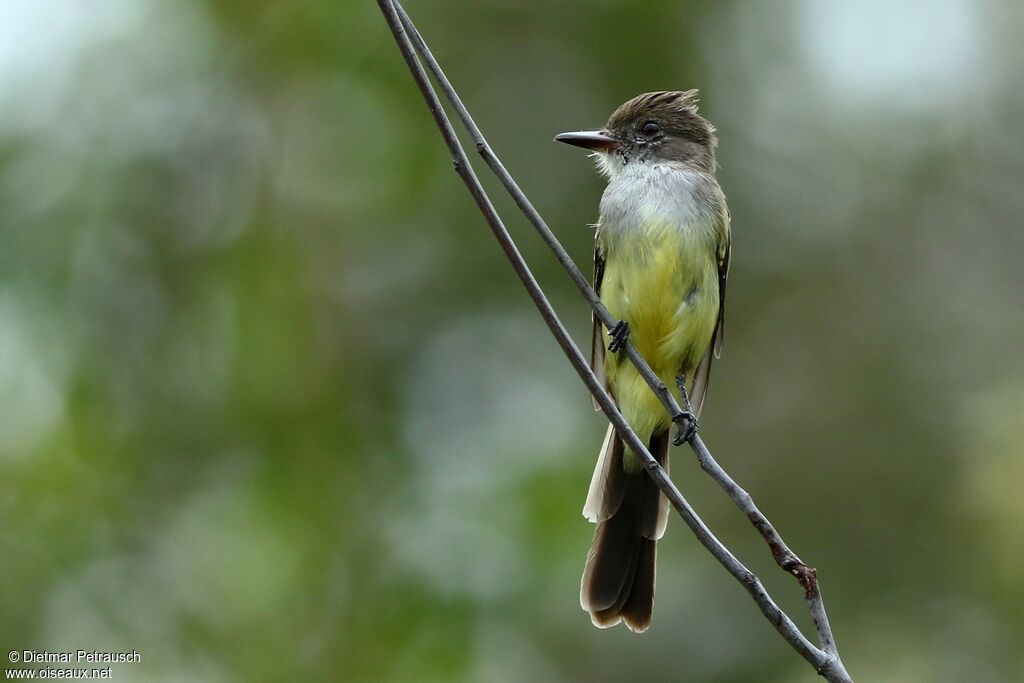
686,423
619,334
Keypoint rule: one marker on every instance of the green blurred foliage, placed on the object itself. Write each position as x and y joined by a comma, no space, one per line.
273,406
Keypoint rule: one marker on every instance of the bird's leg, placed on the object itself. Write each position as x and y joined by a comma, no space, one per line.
619,334
686,421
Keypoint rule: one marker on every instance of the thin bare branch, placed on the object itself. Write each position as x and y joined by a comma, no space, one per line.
825,660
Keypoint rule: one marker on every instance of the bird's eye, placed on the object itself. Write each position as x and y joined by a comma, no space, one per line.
650,129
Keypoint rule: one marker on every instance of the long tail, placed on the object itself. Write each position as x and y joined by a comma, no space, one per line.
631,514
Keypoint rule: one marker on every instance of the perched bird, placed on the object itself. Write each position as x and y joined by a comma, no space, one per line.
661,260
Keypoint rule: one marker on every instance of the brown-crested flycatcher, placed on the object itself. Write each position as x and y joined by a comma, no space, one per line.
660,266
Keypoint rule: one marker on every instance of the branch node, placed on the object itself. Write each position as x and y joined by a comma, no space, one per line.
807,577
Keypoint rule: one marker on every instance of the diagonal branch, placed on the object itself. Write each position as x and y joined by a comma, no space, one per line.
825,660
785,557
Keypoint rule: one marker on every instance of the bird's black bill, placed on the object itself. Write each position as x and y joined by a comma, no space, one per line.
588,139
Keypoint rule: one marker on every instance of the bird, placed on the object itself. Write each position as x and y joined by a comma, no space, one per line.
661,261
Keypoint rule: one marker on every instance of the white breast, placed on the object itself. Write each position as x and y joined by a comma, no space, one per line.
642,194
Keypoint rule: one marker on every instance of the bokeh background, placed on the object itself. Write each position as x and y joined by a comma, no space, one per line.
273,406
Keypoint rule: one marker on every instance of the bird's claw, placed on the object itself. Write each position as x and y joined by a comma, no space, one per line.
686,421
687,425
619,334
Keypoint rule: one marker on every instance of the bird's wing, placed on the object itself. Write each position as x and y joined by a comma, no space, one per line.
597,334
703,373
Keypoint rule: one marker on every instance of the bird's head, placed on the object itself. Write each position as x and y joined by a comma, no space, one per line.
656,127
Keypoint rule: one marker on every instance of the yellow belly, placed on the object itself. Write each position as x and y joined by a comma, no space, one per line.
664,283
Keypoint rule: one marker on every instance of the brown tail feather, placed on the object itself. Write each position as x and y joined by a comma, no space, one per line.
612,615
618,581
613,554
637,610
